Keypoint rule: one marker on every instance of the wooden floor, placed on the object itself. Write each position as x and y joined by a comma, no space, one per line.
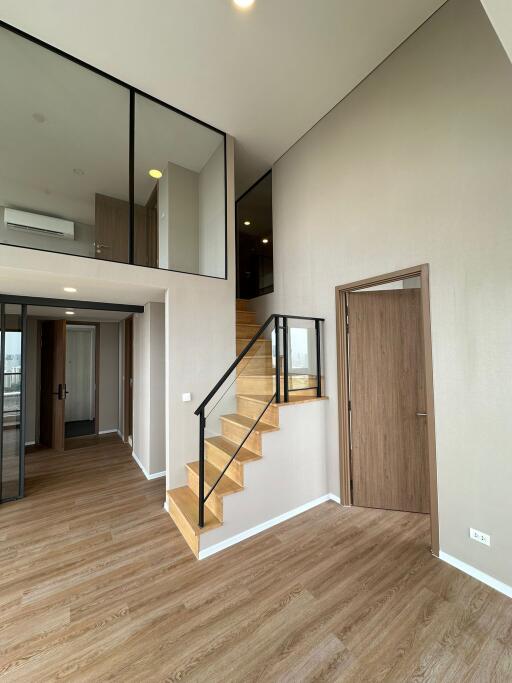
97,584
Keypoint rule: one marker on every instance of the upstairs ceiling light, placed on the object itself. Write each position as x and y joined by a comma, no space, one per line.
247,222
244,4
70,312
155,173
265,240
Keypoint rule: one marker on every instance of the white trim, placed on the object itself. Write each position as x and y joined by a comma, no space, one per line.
109,431
335,498
477,574
166,507
156,475
30,443
262,527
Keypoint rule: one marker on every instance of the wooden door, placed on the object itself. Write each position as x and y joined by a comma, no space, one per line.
389,457
53,384
112,217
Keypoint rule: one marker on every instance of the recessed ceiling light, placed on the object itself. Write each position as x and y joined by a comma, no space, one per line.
265,240
244,4
155,173
70,312
247,222
69,289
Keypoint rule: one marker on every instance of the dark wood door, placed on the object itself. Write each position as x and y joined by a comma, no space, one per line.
389,460
53,384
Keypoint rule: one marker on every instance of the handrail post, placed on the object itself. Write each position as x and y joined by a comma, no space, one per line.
318,360
201,468
278,361
285,360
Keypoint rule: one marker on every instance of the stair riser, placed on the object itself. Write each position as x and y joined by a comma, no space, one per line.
220,459
266,385
256,363
183,526
261,346
253,410
245,317
242,305
214,502
246,331
237,434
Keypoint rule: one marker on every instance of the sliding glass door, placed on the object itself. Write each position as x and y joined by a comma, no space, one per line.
12,398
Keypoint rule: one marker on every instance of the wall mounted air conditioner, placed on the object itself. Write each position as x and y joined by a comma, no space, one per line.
37,224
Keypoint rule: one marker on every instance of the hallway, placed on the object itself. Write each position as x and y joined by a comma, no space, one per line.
96,582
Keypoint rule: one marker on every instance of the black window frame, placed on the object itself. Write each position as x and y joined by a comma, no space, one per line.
133,91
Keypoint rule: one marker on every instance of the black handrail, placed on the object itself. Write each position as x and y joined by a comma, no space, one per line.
200,410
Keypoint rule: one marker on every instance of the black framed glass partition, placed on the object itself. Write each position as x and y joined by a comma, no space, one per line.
12,395
92,167
254,231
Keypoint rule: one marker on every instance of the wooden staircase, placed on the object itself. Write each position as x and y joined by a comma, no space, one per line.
255,385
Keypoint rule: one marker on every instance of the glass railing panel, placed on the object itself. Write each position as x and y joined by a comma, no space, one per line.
64,180
240,403
179,192
302,357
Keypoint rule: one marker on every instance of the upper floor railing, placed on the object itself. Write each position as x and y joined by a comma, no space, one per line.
93,167
284,356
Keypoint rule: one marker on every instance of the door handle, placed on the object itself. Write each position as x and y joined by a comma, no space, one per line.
421,414
59,393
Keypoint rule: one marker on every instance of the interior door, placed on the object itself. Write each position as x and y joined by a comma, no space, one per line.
112,218
389,458
53,384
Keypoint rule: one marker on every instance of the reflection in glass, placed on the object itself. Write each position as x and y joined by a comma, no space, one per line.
255,268
179,192
10,451
64,154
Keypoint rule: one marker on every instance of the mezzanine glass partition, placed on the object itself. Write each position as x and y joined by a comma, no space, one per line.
91,167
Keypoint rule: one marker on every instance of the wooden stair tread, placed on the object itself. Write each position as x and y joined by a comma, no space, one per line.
248,422
229,447
225,487
188,504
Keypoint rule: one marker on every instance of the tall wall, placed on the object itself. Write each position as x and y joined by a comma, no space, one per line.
413,167
109,377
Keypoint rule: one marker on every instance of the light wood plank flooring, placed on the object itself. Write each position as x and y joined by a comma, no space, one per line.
97,584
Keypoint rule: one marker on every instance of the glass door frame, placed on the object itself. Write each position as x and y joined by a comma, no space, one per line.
21,454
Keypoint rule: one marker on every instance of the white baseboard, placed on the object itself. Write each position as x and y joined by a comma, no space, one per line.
156,475
335,498
476,574
30,443
262,527
166,507
109,431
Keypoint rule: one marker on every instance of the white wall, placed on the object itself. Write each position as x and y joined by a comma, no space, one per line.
414,167
80,372
149,388
109,377
500,14
183,219
33,375
211,215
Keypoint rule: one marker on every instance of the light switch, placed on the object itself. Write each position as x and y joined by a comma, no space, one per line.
186,397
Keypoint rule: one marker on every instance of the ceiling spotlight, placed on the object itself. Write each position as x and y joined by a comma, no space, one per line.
247,222
70,289
244,4
264,240
155,173
70,312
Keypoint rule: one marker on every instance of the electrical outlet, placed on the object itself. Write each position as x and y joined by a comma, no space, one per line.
186,397
479,536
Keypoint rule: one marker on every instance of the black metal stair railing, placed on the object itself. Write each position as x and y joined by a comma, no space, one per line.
281,324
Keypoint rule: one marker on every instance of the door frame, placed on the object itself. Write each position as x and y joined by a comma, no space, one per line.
421,271
128,374
96,325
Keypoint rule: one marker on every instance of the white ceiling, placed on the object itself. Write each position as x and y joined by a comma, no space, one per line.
80,314
265,75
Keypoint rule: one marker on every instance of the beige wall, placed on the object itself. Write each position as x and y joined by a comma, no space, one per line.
415,167
109,377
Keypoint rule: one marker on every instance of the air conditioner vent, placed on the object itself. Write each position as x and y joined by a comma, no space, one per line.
38,224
